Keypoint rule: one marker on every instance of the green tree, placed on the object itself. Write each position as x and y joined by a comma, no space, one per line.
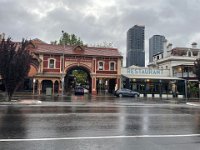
81,76
197,68
15,62
70,39
193,89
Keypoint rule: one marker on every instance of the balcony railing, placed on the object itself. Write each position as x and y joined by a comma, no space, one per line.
184,74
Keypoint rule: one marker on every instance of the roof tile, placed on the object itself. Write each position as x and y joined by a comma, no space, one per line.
90,51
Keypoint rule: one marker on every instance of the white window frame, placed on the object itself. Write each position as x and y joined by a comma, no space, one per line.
99,65
114,65
54,65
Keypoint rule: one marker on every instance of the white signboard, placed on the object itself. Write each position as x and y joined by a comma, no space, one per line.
145,71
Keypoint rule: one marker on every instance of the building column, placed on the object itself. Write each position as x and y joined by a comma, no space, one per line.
94,92
34,85
59,88
53,81
39,86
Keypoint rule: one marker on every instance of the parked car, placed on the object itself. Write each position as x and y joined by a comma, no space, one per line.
126,92
78,90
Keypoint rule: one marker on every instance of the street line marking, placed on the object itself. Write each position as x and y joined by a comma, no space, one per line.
193,104
100,137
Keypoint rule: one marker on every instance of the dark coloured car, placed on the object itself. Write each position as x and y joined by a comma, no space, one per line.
78,90
126,92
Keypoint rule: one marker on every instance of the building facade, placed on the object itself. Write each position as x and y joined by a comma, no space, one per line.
180,62
152,82
53,65
135,54
156,45
52,68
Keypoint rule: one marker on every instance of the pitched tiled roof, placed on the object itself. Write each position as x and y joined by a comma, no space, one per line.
71,50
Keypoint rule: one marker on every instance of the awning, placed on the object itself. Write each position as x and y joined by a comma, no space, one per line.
151,77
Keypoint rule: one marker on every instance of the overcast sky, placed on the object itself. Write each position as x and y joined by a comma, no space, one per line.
96,21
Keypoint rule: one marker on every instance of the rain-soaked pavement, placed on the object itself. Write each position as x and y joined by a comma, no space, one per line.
95,123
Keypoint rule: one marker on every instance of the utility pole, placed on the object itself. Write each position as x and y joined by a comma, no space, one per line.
63,67
186,90
63,71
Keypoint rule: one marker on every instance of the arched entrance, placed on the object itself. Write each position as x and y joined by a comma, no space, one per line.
77,76
46,84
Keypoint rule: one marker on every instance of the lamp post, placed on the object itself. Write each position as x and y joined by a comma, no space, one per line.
34,85
63,64
186,90
160,81
63,80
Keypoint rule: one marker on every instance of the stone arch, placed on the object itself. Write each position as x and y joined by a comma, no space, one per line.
189,53
56,86
78,65
70,81
46,83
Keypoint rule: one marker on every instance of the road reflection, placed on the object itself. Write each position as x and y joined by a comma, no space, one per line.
22,121
12,125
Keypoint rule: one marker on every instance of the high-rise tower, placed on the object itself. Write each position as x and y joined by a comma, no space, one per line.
156,45
135,54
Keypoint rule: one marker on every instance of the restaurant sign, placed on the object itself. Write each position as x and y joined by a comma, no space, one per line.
144,71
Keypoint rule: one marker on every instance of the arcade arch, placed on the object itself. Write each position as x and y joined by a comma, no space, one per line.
77,75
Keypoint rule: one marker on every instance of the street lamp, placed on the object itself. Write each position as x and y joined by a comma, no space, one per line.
63,80
186,90
160,81
63,66
34,85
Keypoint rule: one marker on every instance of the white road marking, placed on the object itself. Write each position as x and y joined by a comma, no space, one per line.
193,104
99,137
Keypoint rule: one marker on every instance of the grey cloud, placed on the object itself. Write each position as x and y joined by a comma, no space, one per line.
176,20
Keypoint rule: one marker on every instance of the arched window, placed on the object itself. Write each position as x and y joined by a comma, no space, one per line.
189,54
52,63
112,66
101,65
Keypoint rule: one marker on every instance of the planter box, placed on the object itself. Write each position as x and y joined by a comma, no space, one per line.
170,96
180,96
164,95
149,95
141,95
156,95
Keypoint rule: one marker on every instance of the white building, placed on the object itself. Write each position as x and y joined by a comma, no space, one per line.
179,60
152,82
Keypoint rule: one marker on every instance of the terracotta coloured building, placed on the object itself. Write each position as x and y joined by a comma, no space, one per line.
53,64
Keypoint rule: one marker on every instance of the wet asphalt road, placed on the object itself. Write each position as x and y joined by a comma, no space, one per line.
100,123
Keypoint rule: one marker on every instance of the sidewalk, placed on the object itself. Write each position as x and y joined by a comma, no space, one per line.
27,98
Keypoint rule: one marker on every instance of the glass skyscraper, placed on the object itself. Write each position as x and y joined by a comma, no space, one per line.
156,45
135,54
